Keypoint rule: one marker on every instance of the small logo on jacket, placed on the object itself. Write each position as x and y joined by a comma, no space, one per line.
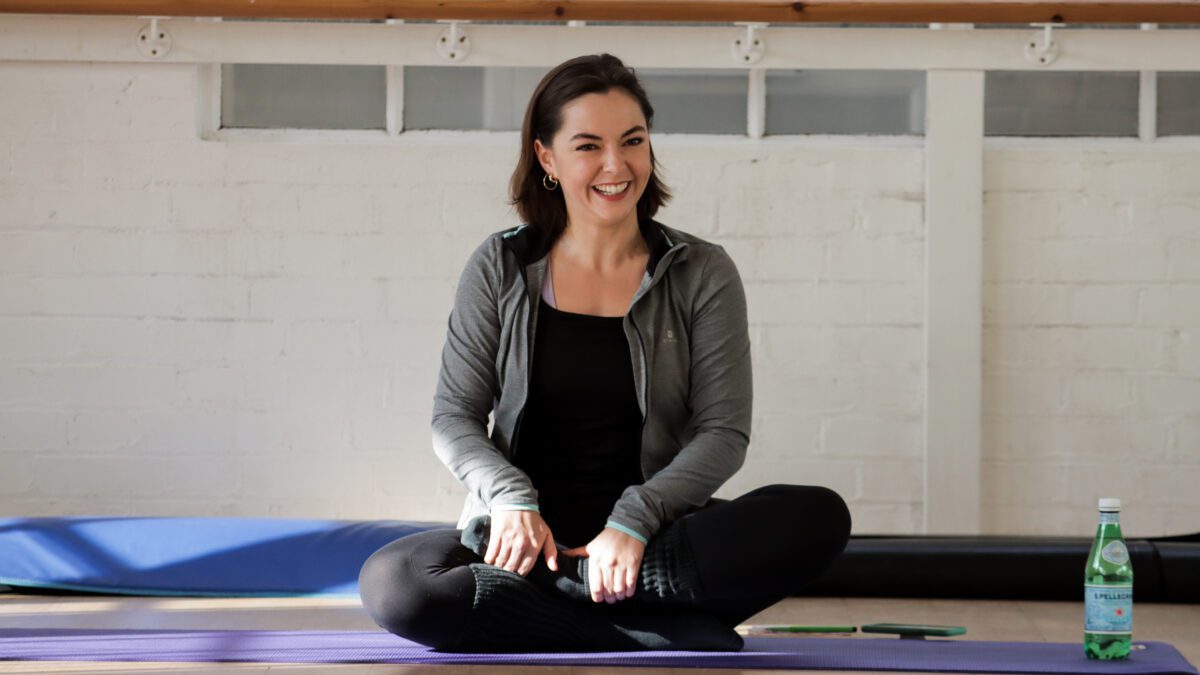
669,337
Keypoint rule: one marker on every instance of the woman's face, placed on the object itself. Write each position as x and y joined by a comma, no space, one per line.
603,142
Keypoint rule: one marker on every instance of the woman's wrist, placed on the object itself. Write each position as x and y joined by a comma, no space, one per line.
515,507
625,530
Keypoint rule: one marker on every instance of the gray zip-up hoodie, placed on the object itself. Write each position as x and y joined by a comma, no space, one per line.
690,346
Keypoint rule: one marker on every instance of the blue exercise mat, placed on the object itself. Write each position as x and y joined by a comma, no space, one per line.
194,556
760,652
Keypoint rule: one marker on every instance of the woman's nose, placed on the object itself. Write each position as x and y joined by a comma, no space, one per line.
612,158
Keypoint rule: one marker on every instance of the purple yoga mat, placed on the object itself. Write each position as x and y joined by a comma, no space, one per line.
803,653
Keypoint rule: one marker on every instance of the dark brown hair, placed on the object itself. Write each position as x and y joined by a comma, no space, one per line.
545,209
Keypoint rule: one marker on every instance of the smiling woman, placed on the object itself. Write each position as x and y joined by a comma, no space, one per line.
584,129
614,354
599,259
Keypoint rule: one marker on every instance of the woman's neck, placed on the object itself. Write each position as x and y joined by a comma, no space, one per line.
601,248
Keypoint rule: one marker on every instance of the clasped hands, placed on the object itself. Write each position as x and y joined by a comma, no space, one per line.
518,537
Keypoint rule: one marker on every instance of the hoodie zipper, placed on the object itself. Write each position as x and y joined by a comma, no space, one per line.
645,387
645,360
529,330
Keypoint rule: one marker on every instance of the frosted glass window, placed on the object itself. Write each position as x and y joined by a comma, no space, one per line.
303,96
465,97
1179,104
698,101
451,97
1023,103
845,102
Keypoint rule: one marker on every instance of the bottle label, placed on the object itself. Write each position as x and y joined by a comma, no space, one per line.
1108,609
1110,517
1115,552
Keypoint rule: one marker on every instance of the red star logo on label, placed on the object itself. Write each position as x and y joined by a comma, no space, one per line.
1120,612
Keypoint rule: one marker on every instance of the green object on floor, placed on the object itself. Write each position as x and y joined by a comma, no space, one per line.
913,631
810,629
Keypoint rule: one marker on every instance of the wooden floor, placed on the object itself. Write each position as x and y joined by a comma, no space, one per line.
984,620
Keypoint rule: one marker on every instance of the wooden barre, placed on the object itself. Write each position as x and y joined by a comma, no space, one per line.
724,11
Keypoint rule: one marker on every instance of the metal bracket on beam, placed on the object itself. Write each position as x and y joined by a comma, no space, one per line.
1046,52
453,44
751,47
154,42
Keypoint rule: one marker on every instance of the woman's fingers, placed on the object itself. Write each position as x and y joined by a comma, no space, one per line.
518,537
614,559
595,581
493,551
520,552
607,572
551,552
526,563
529,554
618,584
509,555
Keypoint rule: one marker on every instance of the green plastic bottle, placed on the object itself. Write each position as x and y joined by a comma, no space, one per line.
1108,589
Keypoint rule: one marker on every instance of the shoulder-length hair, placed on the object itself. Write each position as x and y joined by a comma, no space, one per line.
545,209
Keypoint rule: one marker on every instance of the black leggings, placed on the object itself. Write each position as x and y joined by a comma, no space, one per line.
750,553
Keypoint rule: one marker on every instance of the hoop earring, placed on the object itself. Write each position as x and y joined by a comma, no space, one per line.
549,187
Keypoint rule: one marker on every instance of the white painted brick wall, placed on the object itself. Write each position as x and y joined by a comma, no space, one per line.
1091,313
253,328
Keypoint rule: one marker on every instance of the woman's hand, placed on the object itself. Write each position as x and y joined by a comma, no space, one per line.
614,559
516,539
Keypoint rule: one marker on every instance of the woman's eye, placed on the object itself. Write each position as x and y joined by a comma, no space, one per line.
585,146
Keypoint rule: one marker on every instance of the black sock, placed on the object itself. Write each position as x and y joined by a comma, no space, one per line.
667,573
511,614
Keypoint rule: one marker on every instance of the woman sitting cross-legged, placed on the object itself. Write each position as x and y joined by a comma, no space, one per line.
613,353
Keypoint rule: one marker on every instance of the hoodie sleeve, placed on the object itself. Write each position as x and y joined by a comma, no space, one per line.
468,386
720,397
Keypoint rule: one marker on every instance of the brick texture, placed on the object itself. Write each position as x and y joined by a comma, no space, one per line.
245,328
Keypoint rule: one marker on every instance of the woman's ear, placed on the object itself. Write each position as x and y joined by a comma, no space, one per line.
545,158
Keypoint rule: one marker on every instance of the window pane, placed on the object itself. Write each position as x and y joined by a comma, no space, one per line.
1021,103
699,101
447,97
303,96
451,97
845,102
1178,104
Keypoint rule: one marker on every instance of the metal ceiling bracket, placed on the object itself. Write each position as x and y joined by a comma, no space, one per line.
751,47
1045,52
453,44
154,41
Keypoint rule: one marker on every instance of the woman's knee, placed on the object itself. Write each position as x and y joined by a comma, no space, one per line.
382,584
811,511
833,508
419,587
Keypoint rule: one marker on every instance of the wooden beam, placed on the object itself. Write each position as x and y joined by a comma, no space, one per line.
777,12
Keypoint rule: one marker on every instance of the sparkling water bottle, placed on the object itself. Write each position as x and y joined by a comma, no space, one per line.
1108,589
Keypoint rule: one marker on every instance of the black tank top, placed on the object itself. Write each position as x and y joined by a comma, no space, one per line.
580,438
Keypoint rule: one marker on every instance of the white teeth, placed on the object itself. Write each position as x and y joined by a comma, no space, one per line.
612,189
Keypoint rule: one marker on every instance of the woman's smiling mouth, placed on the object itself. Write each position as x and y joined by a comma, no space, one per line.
612,189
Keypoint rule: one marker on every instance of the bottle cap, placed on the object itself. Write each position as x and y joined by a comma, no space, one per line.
1110,504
